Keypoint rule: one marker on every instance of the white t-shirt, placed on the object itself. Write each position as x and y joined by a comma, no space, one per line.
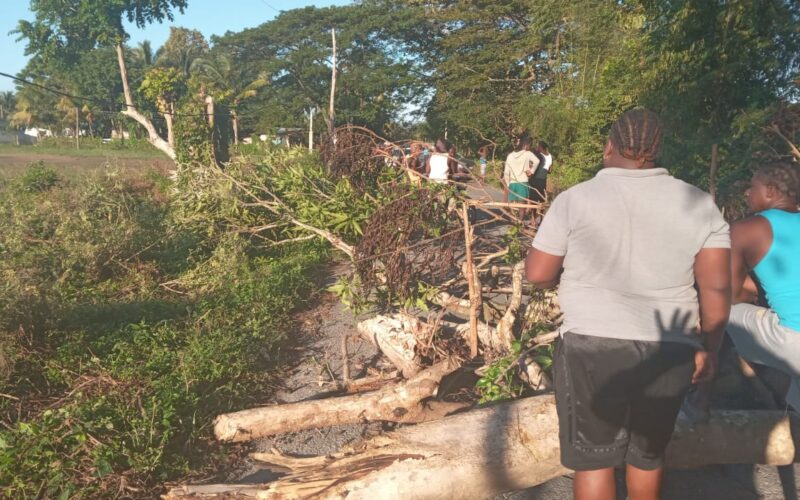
629,238
439,168
548,161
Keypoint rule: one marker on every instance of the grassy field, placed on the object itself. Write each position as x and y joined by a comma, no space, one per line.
89,147
93,157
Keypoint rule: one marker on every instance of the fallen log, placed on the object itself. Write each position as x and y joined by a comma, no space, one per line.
485,452
397,336
395,402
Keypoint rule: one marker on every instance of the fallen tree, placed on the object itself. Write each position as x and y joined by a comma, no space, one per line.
394,402
488,451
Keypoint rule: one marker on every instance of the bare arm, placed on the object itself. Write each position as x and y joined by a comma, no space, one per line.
428,166
712,273
543,269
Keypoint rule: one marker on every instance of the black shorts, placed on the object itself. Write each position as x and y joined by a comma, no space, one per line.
536,189
617,400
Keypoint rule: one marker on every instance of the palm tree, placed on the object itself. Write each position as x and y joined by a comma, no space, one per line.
144,52
217,72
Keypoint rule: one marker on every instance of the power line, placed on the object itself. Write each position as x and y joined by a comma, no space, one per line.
101,102
270,6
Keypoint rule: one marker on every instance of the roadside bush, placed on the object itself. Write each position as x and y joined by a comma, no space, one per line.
38,177
123,332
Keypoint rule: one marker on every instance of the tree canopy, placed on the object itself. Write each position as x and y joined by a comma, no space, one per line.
481,72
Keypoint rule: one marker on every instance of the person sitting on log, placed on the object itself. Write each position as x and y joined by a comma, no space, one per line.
768,245
628,248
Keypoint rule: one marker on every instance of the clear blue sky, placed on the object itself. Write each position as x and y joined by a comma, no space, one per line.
210,17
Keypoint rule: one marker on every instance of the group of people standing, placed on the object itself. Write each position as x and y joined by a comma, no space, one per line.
647,269
525,173
438,163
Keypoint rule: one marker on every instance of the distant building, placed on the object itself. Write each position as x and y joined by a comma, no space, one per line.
37,132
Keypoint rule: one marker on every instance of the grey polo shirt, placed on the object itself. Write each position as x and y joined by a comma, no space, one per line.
629,239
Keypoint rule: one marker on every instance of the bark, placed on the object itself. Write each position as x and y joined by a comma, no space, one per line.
792,146
397,402
396,336
168,117
131,111
506,325
474,288
482,453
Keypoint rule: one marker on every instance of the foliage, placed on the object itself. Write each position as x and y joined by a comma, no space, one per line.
67,28
501,379
124,333
377,74
163,86
38,177
181,49
711,66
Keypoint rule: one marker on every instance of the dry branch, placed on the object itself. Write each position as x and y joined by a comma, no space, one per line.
482,453
473,284
397,402
506,324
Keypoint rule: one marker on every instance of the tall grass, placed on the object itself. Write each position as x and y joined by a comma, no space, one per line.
123,332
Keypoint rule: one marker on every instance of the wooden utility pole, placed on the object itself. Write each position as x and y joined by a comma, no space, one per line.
331,109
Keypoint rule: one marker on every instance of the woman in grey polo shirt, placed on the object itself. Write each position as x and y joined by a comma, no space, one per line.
643,262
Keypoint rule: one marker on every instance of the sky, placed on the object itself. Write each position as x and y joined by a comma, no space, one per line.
207,16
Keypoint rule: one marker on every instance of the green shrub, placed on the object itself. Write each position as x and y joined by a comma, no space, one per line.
38,177
124,332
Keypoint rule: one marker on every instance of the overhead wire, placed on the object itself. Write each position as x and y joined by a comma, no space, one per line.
109,104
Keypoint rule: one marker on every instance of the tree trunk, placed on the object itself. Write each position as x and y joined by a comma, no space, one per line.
396,336
485,452
131,111
712,171
396,402
170,119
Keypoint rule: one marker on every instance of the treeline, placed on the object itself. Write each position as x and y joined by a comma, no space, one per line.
482,72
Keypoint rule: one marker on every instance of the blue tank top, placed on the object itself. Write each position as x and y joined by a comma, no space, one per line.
779,270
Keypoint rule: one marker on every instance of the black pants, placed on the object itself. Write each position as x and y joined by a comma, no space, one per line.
618,400
536,189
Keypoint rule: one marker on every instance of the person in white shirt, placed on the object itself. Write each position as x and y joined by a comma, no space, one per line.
438,166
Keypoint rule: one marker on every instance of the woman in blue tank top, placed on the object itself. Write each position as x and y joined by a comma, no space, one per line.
768,245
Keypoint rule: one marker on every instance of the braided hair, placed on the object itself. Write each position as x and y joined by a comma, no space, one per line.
784,176
636,135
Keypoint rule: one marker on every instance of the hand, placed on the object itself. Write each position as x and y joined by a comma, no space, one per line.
705,366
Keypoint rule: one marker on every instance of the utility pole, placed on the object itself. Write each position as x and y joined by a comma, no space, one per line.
331,110
310,115
77,128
